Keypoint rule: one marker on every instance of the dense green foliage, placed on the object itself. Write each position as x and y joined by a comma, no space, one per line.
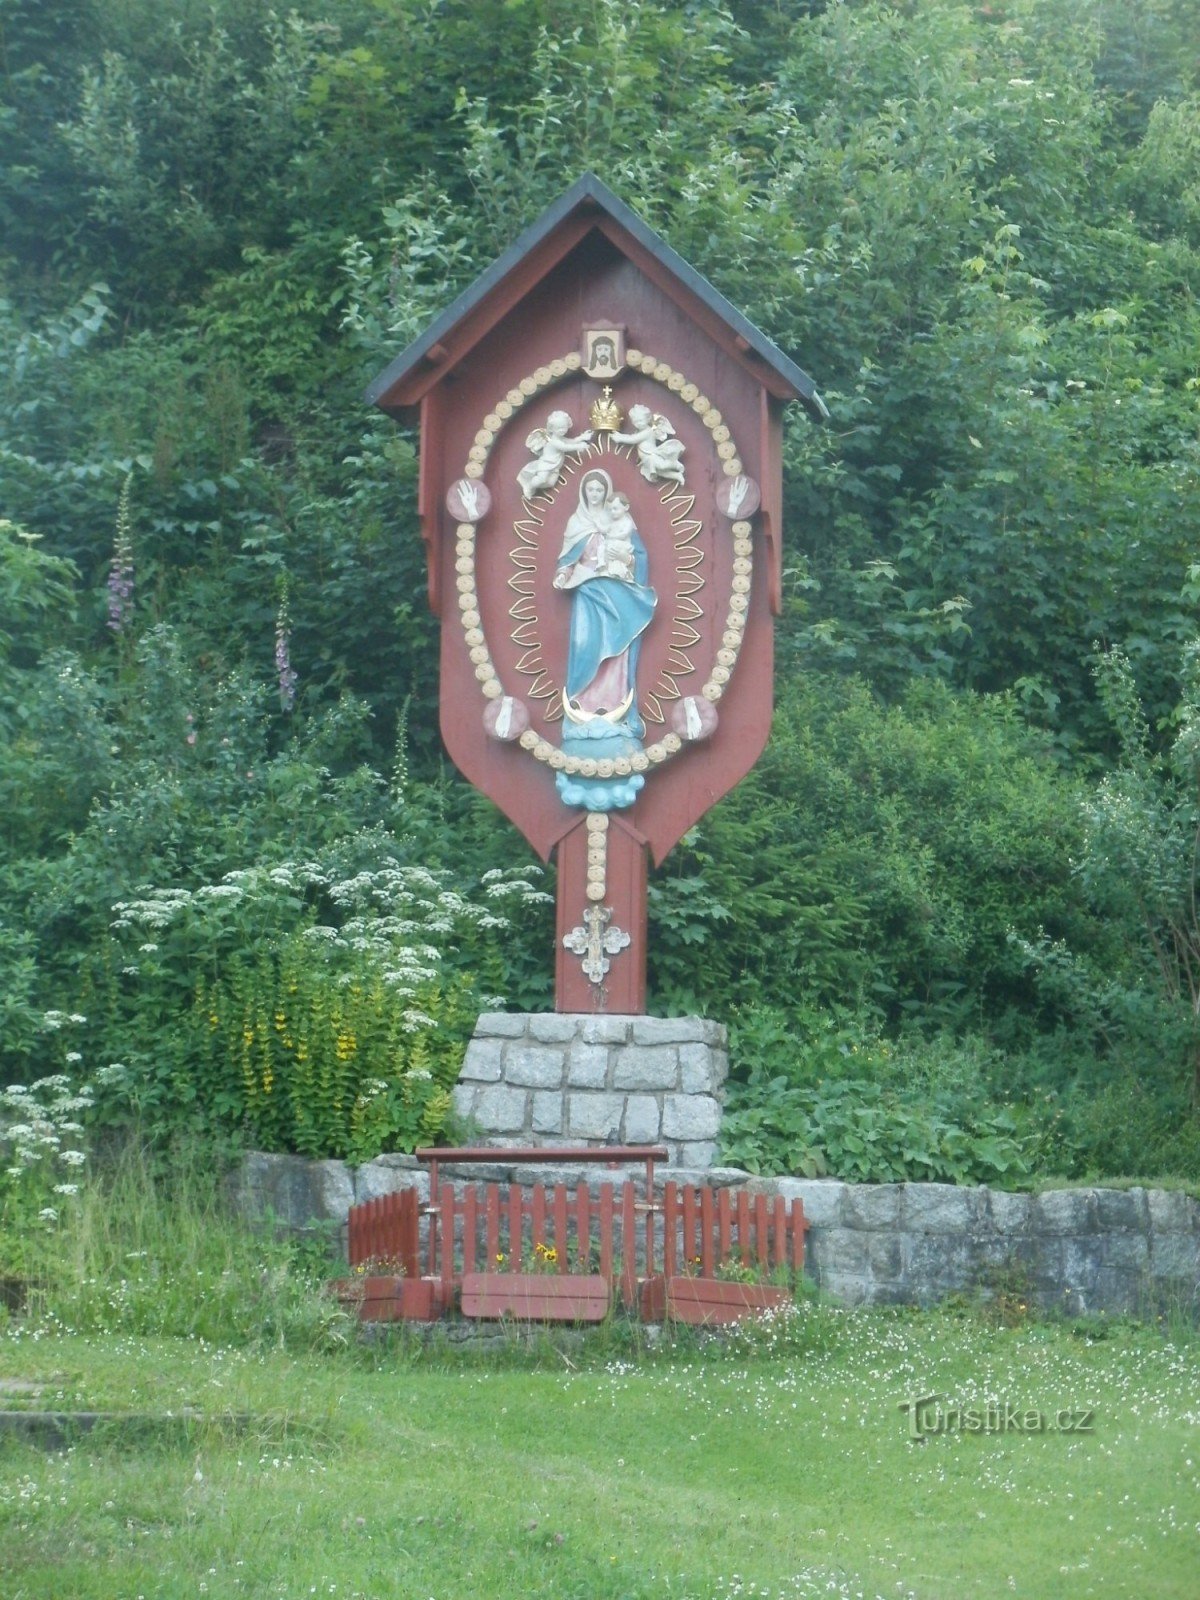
977,225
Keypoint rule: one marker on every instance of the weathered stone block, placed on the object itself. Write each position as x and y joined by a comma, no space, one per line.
1175,1255
646,1069
481,1064
1173,1212
385,1175
667,1030
547,1116
840,1250
499,1109
1116,1208
1065,1211
885,1254
1009,1213
1081,1262
820,1197
941,1208
1115,1292
697,1156
642,1119
534,1066
587,1065
501,1025
292,1190
851,1289
594,1116
550,1028
690,1117
1125,1250
702,1070
871,1205
937,1263
463,1100
605,1030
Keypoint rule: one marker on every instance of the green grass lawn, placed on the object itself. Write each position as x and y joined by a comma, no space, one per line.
690,1474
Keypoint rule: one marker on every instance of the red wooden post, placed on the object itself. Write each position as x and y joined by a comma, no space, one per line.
670,1223
515,1241
799,1224
561,1244
708,1264
781,1249
492,1224
537,1217
583,1231
470,1213
724,1226
691,1249
447,1242
606,1231
743,1227
629,1273
761,1239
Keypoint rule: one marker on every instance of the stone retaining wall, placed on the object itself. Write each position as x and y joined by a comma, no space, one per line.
1076,1250
532,1079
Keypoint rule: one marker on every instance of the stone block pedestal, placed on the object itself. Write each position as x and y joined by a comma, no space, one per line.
586,1080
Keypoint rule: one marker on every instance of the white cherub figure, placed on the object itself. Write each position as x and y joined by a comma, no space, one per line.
618,542
658,449
553,444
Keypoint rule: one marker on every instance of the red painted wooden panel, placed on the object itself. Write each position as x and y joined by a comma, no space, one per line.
710,1300
534,1297
398,1300
537,1218
779,1257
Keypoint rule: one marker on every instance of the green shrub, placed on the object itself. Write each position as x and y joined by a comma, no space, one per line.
856,1130
319,1006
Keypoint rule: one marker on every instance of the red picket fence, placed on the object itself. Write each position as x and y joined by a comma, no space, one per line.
481,1230
387,1232
482,1234
703,1230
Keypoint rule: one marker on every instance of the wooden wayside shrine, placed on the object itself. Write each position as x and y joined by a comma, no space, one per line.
600,494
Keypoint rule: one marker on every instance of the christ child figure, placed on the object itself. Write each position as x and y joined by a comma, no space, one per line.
618,542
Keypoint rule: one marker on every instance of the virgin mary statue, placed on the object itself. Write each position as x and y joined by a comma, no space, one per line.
603,565
603,562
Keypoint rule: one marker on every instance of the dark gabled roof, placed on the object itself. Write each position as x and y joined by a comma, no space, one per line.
589,194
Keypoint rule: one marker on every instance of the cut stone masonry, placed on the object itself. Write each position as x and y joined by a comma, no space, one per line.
582,1080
